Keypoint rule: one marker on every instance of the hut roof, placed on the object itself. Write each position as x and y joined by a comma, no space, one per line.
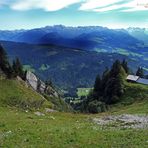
132,78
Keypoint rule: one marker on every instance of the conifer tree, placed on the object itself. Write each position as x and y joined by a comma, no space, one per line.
97,88
4,63
125,66
115,69
140,72
115,84
3,59
97,85
105,78
18,68
114,89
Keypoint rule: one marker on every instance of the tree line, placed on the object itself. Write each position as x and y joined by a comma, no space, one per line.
11,70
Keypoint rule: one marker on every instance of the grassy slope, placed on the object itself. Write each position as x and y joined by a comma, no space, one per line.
63,130
59,104
15,93
135,100
66,130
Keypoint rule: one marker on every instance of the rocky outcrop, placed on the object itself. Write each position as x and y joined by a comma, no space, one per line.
123,121
32,80
39,85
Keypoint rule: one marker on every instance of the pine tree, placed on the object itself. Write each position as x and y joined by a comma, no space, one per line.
4,63
114,86
125,66
3,59
140,72
105,78
97,87
114,89
97,84
18,68
115,69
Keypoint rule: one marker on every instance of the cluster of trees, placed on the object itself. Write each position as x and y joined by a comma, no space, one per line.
108,89
10,70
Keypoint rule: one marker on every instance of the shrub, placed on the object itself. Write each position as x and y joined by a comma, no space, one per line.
96,107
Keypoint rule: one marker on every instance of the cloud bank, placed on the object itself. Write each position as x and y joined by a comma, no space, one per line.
85,5
47,5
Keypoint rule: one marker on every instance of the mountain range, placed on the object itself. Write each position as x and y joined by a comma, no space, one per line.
72,56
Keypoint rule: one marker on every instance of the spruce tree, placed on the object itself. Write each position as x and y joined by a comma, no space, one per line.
97,84
3,59
97,87
18,68
114,87
4,63
140,72
115,69
105,78
125,66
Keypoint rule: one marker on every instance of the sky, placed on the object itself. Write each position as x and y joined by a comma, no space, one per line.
28,14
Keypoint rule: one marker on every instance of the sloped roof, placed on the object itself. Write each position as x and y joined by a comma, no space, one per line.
132,78
137,79
142,81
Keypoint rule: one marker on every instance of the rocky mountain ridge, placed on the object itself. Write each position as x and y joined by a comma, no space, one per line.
39,86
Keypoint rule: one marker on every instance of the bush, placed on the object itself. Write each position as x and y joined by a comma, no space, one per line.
96,107
115,99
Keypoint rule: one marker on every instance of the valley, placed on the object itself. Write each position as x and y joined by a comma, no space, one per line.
73,74
68,68
72,91
70,55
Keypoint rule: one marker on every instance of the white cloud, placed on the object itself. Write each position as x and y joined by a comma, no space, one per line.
47,5
117,6
85,5
93,4
114,7
109,5
135,9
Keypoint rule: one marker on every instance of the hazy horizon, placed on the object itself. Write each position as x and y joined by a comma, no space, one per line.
68,26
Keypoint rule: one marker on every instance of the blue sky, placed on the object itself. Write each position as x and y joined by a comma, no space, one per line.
26,14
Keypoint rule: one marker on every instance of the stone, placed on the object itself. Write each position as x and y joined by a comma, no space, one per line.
39,114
